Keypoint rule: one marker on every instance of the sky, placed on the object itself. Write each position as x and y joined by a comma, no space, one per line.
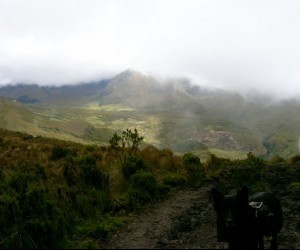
232,44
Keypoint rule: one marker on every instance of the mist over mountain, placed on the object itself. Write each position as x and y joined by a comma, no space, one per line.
172,113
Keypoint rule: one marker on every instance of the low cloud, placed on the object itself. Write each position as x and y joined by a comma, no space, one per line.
230,44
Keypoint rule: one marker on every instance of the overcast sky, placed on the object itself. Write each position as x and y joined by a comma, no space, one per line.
251,44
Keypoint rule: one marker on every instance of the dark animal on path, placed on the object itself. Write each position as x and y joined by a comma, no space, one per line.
243,221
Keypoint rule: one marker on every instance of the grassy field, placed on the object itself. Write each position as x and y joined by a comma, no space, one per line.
229,130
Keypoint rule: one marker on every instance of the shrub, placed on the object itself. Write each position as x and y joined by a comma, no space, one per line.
145,181
131,165
83,205
92,175
294,190
143,188
252,176
35,222
215,165
162,190
99,228
71,170
174,179
137,198
127,144
101,200
276,159
190,160
40,171
195,170
59,152
294,160
45,224
90,148
22,177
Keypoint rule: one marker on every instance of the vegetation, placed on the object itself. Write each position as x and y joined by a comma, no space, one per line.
59,194
175,115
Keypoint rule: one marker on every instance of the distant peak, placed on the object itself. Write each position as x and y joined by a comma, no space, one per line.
132,72
128,74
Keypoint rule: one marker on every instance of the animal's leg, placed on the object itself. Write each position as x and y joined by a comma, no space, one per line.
274,244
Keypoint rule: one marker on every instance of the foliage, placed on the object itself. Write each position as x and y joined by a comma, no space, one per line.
56,193
144,180
63,194
214,166
250,172
59,152
190,160
276,159
132,165
294,160
195,169
143,188
100,229
294,189
30,218
71,170
91,174
174,179
127,140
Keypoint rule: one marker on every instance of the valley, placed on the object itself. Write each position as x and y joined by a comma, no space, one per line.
172,114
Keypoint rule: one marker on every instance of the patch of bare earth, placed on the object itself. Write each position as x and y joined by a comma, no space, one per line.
187,220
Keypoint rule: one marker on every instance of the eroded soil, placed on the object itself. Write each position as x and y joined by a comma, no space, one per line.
187,220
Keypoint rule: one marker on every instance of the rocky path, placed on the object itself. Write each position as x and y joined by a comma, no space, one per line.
187,221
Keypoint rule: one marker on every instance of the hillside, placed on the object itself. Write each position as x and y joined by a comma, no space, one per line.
55,193
58,194
170,113
67,95
38,121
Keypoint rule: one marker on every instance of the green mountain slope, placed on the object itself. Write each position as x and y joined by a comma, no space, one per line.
169,113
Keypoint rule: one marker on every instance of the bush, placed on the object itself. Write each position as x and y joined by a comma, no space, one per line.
40,171
145,181
174,179
92,175
294,160
190,159
132,165
71,170
90,148
143,188
251,176
35,221
215,165
195,170
276,159
137,198
99,228
294,190
59,152
83,205
101,200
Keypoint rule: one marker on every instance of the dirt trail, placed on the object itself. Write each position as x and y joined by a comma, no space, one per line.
187,220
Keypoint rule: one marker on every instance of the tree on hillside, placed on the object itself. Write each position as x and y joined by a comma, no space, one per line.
126,144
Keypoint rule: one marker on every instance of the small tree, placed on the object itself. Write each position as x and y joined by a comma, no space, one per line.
127,144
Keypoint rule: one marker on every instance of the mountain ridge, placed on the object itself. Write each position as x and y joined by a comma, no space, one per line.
171,113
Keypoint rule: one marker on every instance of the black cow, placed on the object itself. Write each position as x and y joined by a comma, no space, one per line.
243,222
